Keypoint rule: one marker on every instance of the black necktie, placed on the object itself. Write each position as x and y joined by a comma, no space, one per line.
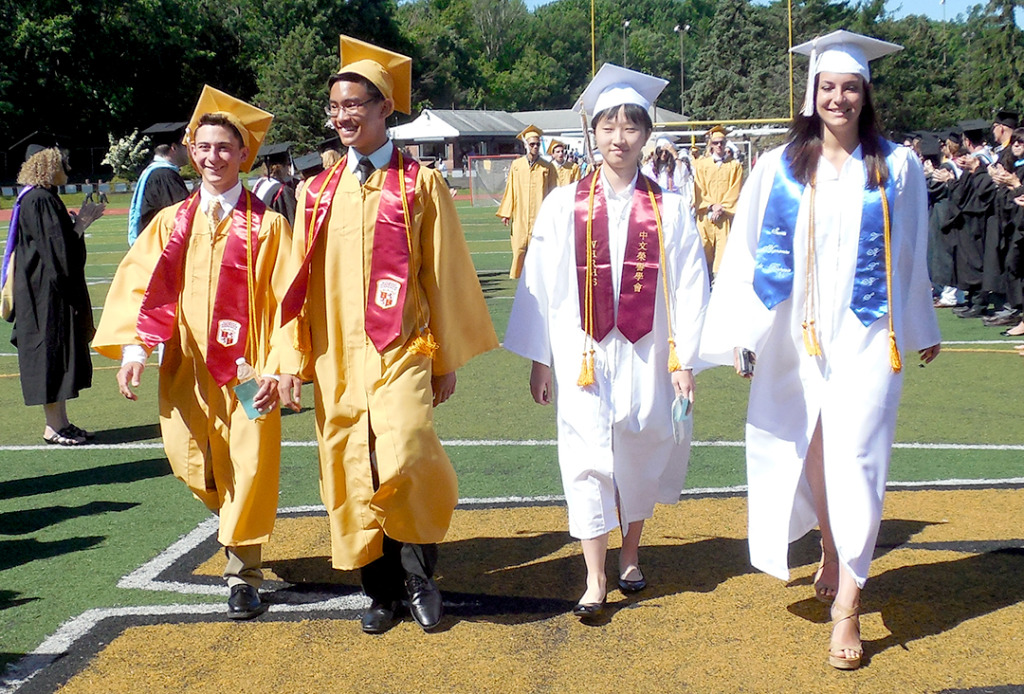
363,169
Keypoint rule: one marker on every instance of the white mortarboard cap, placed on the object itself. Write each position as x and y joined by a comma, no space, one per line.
614,86
843,52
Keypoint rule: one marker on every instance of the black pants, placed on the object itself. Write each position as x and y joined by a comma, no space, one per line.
384,579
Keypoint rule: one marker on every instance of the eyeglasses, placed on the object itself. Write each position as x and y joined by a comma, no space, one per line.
351,106
718,142
533,144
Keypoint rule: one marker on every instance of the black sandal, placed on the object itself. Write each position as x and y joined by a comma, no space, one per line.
79,432
64,438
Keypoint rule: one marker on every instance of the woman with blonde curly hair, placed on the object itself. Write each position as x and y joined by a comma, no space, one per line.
52,312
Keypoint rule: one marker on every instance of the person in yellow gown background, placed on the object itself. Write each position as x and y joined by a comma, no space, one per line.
204,280
385,306
568,171
530,179
716,184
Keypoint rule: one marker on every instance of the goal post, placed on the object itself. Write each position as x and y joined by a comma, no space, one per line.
487,176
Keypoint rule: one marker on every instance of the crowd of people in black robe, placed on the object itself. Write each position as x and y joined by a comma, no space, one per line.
975,175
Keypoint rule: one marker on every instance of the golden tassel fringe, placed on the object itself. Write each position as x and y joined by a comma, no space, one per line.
424,344
673,359
811,340
303,341
586,370
894,354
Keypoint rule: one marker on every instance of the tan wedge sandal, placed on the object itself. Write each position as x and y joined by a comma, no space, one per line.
836,653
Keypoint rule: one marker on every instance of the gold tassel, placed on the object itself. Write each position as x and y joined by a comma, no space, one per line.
424,344
586,370
303,342
811,340
894,354
673,359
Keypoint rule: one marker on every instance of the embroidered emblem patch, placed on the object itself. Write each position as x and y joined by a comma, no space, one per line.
387,293
228,332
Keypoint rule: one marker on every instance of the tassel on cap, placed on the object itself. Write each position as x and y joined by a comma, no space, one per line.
424,344
586,370
673,359
894,354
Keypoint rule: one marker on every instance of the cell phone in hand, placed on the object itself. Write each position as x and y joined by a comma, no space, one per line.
747,361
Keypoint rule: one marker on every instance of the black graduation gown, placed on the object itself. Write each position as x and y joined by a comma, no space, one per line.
281,199
164,187
53,321
941,240
971,200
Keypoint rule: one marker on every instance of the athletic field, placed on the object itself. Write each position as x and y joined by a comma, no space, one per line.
109,570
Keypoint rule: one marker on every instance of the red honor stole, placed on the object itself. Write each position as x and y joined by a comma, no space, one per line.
229,327
319,194
638,288
389,262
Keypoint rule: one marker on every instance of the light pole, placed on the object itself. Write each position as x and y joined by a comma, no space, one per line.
681,29
625,25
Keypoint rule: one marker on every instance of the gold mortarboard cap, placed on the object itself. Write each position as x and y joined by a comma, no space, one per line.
530,130
252,123
554,143
390,72
712,131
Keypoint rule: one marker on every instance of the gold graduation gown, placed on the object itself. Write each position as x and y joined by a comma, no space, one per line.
525,190
358,389
569,172
230,463
715,184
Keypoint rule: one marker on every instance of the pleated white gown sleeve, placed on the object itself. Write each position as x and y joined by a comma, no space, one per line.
851,386
615,435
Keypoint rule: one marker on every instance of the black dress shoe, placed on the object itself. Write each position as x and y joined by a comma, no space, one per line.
245,602
381,616
589,611
425,602
1005,318
627,586
976,311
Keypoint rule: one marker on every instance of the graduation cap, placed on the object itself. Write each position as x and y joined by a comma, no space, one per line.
975,127
332,142
841,51
528,131
40,141
165,133
664,143
390,72
252,123
309,164
555,143
1011,119
930,147
615,86
277,153
712,131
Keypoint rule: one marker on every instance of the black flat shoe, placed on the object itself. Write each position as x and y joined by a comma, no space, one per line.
381,616
589,611
627,586
245,602
425,602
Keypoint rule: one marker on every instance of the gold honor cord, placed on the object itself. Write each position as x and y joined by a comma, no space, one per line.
673,358
587,369
810,333
424,343
894,350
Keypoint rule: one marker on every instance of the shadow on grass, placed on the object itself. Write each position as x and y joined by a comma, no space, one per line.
120,473
9,598
18,552
143,432
31,520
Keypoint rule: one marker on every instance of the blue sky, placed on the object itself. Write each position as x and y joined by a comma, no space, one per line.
901,8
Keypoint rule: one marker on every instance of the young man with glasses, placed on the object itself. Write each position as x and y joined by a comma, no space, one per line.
716,185
384,307
530,179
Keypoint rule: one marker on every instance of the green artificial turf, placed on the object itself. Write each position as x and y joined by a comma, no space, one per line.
73,521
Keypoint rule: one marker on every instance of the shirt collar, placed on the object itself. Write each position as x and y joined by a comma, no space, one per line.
610,194
228,200
380,158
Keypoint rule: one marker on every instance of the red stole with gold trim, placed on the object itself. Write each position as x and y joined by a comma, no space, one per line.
389,262
229,326
638,289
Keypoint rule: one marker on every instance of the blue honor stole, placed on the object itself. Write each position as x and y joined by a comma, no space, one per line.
773,269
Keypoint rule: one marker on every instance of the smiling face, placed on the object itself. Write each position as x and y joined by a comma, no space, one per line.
839,101
620,141
218,154
361,117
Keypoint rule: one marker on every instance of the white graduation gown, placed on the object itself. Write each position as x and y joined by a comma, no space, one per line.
851,385
615,435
